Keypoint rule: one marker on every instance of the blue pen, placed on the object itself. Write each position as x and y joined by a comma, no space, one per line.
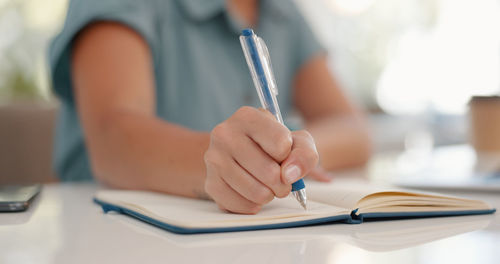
259,63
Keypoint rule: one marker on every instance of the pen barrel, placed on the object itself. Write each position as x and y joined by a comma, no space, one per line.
275,110
259,64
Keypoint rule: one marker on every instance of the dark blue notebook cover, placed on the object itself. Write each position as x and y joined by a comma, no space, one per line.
353,218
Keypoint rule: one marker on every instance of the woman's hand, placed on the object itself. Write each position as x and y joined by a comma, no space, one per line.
252,158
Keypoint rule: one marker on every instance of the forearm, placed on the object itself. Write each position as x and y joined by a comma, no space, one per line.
115,90
342,142
143,152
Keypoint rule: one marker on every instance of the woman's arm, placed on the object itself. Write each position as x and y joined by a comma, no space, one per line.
129,146
242,164
337,126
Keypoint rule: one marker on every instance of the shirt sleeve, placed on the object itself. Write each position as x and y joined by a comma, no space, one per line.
307,44
138,15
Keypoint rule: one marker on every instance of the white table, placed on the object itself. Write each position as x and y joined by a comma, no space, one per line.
65,226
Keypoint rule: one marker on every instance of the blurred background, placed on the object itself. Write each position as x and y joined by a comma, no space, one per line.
412,64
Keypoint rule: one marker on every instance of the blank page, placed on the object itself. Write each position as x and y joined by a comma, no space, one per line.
354,194
345,193
194,213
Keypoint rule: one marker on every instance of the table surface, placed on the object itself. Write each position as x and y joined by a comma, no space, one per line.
65,226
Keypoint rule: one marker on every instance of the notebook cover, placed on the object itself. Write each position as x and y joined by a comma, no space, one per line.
413,215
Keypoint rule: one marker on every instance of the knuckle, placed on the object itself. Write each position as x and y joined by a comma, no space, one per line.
283,143
284,190
303,133
273,170
220,132
262,195
210,157
246,112
273,177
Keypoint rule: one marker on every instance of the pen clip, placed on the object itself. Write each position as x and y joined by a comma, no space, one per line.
266,64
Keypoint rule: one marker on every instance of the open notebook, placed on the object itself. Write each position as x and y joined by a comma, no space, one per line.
347,202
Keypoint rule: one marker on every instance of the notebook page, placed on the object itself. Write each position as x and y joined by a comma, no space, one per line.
368,197
193,213
344,193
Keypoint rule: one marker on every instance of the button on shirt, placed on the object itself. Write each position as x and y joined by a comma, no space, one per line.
201,76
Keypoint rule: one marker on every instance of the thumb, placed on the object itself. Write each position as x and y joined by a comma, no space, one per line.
301,160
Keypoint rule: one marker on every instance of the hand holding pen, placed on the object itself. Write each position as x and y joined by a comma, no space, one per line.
253,158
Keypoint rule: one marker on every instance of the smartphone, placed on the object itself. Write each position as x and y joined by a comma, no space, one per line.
16,198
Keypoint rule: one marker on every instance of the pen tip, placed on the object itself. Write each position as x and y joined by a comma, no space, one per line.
303,204
301,197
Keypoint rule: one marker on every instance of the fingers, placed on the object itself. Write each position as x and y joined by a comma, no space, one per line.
244,156
232,187
274,138
302,159
227,198
261,166
246,185
246,168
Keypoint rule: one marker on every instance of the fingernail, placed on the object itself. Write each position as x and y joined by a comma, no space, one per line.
292,173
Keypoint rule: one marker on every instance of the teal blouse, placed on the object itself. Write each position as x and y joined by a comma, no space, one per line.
200,71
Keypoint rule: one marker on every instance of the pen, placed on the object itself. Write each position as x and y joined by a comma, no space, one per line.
259,63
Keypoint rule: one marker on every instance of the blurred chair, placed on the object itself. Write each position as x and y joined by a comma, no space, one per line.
26,137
